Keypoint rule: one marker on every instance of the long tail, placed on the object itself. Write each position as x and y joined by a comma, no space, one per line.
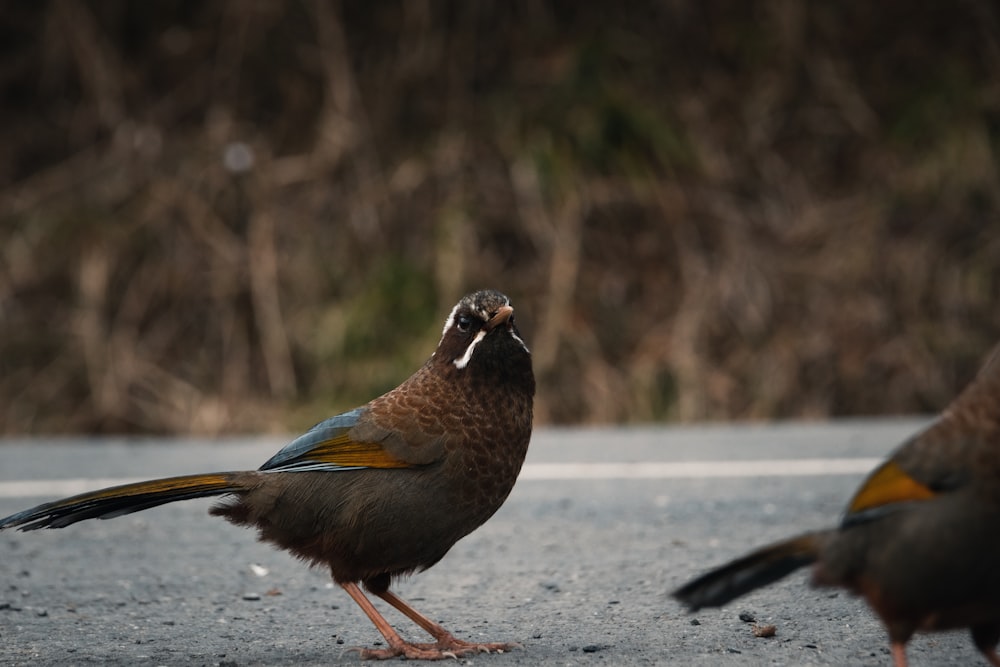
760,568
118,500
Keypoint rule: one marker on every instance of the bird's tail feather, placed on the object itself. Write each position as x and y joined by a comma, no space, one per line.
125,499
757,569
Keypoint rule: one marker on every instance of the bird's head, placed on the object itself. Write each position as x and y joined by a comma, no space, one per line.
480,331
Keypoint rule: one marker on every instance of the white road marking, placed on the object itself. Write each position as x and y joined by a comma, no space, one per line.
698,469
547,472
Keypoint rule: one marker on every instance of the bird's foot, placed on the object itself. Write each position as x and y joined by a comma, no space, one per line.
405,650
457,647
448,647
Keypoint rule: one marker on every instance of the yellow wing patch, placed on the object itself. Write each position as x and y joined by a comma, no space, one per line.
345,452
888,484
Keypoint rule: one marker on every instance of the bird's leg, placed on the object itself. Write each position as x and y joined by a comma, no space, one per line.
397,647
445,641
899,654
391,636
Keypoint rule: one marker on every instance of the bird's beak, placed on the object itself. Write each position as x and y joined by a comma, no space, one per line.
502,316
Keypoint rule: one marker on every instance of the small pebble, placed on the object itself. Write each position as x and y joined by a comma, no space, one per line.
42,612
251,596
695,621
764,630
747,617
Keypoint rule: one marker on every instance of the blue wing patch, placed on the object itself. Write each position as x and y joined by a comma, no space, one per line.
328,446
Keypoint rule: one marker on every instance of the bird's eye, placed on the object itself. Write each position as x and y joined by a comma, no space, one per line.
464,322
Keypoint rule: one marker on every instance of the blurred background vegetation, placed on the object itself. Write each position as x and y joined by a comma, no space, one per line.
234,216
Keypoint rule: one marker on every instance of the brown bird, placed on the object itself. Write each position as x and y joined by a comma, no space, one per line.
383,490
919,541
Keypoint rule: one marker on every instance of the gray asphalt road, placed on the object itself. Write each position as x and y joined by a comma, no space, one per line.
576,566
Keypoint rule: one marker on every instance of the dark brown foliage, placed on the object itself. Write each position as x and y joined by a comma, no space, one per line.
236,216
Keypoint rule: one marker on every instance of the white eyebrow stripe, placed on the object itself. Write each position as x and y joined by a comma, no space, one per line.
451,319
464,360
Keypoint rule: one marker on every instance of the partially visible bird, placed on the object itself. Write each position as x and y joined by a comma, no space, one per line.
920,539
383,490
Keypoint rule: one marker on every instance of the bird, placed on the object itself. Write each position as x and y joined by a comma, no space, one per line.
381,491
918,540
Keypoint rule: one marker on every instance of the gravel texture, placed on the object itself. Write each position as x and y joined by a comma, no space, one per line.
576,571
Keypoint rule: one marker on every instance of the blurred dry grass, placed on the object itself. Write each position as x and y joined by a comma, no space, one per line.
232,216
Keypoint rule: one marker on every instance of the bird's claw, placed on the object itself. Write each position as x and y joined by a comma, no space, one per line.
454,649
